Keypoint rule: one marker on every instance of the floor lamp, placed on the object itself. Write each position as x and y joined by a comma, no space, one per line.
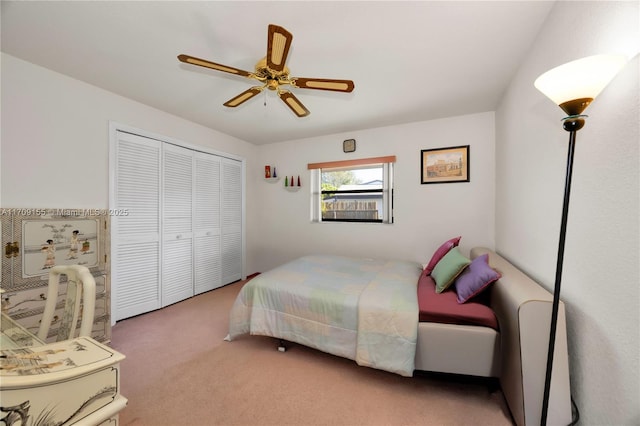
572,86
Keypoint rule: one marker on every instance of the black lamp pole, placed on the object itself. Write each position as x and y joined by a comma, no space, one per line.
563,84
571,124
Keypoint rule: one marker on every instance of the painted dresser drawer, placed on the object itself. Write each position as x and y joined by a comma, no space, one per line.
71,382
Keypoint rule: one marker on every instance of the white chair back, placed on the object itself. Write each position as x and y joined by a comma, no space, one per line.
80,285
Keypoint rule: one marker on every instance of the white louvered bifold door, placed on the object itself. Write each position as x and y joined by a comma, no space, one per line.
177,200
231,220
207,265
136,251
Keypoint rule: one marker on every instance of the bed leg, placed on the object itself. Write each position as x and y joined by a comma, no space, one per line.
281,346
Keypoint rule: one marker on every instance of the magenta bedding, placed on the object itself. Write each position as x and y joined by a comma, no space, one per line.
444,307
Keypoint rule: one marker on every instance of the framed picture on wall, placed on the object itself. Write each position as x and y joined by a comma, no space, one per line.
444,165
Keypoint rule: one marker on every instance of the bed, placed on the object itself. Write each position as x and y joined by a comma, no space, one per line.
362,309
372,311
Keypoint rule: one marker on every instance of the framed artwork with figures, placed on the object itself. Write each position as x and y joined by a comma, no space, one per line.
35,240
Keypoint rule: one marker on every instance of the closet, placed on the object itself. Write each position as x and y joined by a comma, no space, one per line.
182,232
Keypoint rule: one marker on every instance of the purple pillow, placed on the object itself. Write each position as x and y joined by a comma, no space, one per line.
477,277
439,254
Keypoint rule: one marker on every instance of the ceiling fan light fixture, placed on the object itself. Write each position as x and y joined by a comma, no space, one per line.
272,73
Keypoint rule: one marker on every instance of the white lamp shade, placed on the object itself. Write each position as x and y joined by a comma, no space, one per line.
580,79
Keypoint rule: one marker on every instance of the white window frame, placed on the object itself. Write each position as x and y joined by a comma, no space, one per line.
387,186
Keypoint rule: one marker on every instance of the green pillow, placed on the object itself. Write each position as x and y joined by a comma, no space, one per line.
448,268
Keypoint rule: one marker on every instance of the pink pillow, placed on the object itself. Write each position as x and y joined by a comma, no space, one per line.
475,279
439,254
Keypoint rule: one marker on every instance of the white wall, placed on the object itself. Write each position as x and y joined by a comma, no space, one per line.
55,138
425,215
55,146
601,276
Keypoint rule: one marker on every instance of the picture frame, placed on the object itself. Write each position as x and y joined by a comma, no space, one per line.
445,165
349,145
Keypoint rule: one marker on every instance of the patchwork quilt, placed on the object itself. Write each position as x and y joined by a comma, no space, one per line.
361,309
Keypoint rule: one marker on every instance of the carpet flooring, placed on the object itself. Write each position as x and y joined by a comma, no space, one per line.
179,371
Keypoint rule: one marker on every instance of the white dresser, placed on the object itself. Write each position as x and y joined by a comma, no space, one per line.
75,381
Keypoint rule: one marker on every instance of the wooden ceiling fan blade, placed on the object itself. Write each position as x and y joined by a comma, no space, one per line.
243,97
278,44
292,102
208,64
324,84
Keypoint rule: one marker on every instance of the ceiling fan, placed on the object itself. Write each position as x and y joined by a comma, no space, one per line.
272,73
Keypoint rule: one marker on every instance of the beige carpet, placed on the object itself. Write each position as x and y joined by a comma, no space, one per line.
179,371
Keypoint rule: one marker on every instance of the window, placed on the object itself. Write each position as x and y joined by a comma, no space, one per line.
353,191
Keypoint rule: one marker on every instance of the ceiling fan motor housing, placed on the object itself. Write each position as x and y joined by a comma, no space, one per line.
271,77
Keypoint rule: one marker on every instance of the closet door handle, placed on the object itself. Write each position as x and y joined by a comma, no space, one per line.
178,236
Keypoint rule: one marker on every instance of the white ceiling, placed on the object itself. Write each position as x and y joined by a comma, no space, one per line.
410,61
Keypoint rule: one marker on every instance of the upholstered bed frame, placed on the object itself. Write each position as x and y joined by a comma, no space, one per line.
516,355
369,318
